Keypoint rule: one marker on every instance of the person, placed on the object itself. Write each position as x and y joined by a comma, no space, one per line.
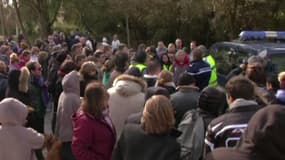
160,48
165,80
171,50
106,70
88,74
5,52
193,45
178,44
151,139
68,103
39,97
121,64
115,42
139,61
3,79
126,97
165,62
200,69
18,85
14,62
186,97
280,95
94,135
151,73
194,123
225,131
213,82
180,65
262,139
17,141
24,58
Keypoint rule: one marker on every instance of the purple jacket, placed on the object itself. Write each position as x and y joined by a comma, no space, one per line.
92,138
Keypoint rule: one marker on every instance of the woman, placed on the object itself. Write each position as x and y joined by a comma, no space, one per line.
88,74
165,80
151,139
93,132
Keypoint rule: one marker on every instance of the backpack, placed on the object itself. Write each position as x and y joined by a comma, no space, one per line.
193,133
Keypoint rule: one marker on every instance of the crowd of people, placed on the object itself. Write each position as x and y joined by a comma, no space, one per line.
111,102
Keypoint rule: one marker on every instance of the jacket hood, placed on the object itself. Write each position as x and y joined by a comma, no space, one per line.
242,102
71,83
12,112
127,85
265,133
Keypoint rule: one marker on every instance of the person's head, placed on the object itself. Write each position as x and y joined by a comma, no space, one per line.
197,54
14,58
35,69
158,116
67,66
134,71
5,49
121,61
43,56
24,45
88,69
239,87
115,37
180,56
108,66
178,43
108,51
80,59
165,59
186,79
13,112
152,91
19,79
193,45
281,79
100,56
140,57
95,99
164,77
212,100
153,68
255,70
204,50
3,68
76,49
35,51
171,48
26,55
160,44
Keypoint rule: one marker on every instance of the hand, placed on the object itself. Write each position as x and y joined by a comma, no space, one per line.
54,150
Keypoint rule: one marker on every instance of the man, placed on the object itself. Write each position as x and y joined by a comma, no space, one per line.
115,42
193,45
160,48
39,99
225,131
186,98
200,69
178,44
213,82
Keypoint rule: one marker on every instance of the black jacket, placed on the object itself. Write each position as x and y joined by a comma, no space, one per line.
226,130
263,139
185,99
135,144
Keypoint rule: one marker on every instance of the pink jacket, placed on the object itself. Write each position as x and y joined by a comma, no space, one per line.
93,139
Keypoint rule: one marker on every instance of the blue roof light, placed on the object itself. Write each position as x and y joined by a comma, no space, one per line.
249,35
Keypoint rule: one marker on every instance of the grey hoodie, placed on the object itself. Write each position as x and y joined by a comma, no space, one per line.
68,104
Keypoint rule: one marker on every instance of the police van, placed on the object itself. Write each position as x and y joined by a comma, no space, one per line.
268,44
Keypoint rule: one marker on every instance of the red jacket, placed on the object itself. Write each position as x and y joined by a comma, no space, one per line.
93,139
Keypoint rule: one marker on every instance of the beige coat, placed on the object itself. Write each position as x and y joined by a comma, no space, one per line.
127,96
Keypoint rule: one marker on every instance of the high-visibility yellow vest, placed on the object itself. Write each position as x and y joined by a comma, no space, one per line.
167,67
140,66
213,82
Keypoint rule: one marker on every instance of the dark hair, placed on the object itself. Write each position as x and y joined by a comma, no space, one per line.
153,66
121,58
273,80
67,66
185,79
94,97
134,71
161,59
240,87
152,91
31,65
140,57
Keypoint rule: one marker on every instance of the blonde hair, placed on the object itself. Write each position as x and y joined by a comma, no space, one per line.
281,76
158,116
3,67
164,77
24,80
87,68
14,58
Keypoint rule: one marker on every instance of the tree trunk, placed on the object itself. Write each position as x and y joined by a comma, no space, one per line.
128,30
2,19
15,3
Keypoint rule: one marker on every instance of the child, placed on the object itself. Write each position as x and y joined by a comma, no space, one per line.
17,142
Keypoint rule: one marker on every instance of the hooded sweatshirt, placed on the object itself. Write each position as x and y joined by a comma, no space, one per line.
68,104
263,139
126,97
17,142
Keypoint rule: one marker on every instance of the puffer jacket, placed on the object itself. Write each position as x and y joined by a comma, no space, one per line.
127,96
